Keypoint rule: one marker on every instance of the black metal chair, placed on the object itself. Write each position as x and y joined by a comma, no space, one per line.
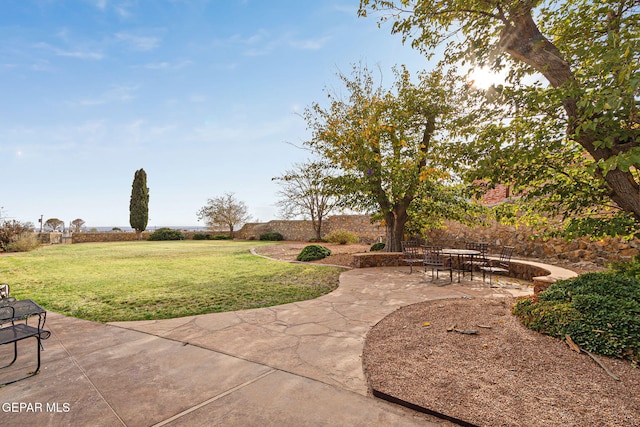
502,265
4,290
411,253
477,261
435,260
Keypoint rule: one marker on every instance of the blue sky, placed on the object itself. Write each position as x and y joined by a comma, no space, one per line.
204,95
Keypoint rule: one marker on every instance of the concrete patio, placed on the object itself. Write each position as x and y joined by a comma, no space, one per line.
295,364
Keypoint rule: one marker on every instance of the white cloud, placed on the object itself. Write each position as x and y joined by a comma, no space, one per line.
164,65
141,43
264,42
310,44
79,53
113,94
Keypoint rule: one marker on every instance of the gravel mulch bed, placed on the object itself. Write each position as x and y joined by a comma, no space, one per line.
504,375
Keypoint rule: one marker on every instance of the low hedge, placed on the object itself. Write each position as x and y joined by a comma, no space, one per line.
208,236
272,236
376,247
313,252
166,234
599,311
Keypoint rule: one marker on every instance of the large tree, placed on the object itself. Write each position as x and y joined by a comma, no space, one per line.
224,211
77,225
139,203
54,224
308,190
589,53
385,141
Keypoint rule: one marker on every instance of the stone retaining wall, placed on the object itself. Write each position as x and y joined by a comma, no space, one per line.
527,245
302,230
120,236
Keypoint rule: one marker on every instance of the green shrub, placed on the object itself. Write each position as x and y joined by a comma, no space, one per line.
313,252
376,247
202,236
599,311
342,237
630,268
273,236
221,237
166,234
25,242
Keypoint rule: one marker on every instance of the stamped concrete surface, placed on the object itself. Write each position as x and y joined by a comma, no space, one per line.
296,364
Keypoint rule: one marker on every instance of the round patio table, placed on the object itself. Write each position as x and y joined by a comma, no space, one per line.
461,254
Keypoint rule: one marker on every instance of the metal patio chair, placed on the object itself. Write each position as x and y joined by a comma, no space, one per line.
435,260
480,260
502,265
411,253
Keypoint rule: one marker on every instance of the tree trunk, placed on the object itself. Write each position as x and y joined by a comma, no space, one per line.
317,227
395,222
138,234
522,39
231,231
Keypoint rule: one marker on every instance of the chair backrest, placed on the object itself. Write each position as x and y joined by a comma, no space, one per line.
433,256
505,256
410,249
482,247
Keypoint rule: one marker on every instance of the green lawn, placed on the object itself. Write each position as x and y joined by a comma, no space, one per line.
158,280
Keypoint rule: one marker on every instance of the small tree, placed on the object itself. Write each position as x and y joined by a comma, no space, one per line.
77,224
224,211
54,224
308,190
139,204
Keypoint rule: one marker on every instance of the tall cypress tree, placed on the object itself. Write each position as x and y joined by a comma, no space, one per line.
139,204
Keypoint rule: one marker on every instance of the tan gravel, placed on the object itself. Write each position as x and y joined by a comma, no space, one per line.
505,375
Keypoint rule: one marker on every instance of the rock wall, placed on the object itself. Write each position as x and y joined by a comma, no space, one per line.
107,237
602,252
302,230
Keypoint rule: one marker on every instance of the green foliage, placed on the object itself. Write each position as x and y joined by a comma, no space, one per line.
221,237
209,236
139,202
166,234
568,146
342,237
10,231
313,252
377,247
271,236
629,269
599,311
